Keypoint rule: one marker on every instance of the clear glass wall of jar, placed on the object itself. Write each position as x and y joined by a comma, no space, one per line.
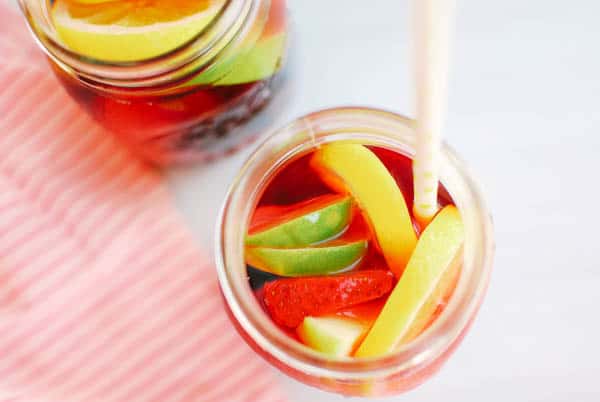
414,362
177,107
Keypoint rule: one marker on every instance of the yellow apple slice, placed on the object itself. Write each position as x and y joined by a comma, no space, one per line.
356,169
429,276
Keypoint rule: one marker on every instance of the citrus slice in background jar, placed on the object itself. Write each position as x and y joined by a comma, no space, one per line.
133,29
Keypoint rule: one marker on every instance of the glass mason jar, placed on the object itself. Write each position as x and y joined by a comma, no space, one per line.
414,362
177,107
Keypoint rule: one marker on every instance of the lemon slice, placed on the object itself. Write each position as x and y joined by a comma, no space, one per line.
132,30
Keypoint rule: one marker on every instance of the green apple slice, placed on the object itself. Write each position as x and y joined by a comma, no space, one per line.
329,259
311,227
332,335
259,63
250,65
429,278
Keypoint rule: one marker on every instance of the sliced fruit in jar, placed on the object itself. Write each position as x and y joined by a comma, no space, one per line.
437,300
256,63
327,259
332,335
132,30
260,62
290,300
430,274
354,168
321,219
255,60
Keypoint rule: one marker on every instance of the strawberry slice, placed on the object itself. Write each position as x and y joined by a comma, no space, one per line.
290,300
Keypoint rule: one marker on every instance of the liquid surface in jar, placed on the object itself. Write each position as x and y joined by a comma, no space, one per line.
336,258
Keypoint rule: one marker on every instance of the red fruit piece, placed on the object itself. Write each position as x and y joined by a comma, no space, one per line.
290,300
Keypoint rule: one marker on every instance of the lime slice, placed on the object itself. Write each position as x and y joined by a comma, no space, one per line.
122,31
259,63
323,260
249,65
323,219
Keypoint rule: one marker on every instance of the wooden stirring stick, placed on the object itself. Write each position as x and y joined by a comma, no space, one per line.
432,27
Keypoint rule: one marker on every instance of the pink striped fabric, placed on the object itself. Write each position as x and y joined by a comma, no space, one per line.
103,295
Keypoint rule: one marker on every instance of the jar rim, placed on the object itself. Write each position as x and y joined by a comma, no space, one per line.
223,28
355,124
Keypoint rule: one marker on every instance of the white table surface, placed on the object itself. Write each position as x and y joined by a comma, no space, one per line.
525,93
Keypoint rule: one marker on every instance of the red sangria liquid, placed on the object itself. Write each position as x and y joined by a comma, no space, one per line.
183,120
338,261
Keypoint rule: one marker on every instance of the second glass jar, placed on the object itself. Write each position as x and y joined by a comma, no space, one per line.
177,107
